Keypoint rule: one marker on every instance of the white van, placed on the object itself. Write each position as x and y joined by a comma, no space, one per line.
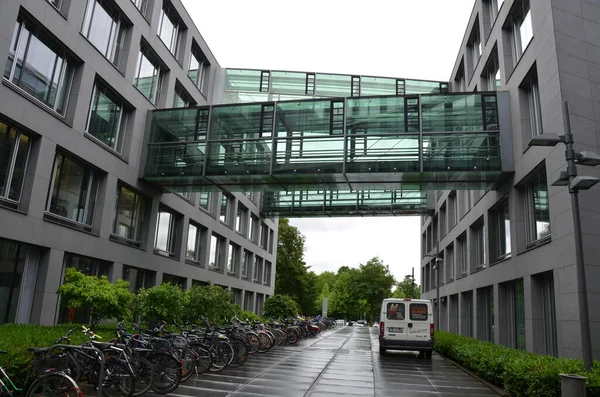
406,324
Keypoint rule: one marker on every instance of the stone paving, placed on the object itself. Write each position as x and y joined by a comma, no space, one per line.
343,361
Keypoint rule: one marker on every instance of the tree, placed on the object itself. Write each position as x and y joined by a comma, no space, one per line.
341,301
374,284
103,300
280,307
407,289
160,303
325,293
211,301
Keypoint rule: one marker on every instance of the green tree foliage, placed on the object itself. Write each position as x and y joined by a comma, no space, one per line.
325,293
210,301
163,302
374,284
103,300
280,307
293,277
407,289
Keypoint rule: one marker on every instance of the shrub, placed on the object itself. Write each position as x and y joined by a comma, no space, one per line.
519,373
281,306
103,299
160,303
210,301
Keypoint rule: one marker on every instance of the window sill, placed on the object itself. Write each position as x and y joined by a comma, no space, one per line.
169,50
520,58
478,269
231,274
145,97
192,262
125,241
105,147
537,244
214,269
245,278
57,10
35,101
103,56
11,205
164,254
462,276
197,88
503,258
59,220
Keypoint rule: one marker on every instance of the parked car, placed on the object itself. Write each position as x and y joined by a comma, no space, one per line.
362,322
340,322
406,324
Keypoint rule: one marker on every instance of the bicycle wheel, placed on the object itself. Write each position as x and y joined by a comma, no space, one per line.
144,375
204,362
119,380
240,352
265,342
55,384
222,354
189,360
253,342
167,372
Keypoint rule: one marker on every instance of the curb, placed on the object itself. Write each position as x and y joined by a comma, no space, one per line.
494,388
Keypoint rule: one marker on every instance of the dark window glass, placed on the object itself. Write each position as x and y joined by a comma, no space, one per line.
395,311
106,120
130,214
14,153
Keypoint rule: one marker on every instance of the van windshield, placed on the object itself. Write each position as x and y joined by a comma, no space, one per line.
395,311
418,312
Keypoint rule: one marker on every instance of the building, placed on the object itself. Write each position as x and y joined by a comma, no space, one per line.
79,81
507,270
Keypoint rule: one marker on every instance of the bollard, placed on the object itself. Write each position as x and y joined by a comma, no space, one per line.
572,385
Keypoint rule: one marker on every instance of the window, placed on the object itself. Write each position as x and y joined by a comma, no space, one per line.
461,253
264,236
130,214
166,228
449,263
168,27
106,120
434,231
477,245
500,231
485,319
545,304
138,278
205,200
181,98
418,312
13,258
271,238
494,7
474,46
443,230
103,27
141,5
14,153
42,69
224,215
246,261
216,252
530,103
232,257
267,277
149,75
241,219
459,79
491,73
515,314
198,68
452,209
253,228
520,28
429,238
194,243
174,280
537,211
395,311
73,190
466,313
258,263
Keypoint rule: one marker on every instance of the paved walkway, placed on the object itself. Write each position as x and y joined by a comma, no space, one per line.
340,362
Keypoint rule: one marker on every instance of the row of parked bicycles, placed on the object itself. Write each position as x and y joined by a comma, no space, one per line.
154,359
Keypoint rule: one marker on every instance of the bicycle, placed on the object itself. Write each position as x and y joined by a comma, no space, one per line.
52,383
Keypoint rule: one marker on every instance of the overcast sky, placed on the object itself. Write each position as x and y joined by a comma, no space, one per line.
416,39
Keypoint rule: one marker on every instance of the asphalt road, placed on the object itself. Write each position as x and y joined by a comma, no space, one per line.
340,362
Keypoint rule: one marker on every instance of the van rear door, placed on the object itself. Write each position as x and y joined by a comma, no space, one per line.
418,318
395,321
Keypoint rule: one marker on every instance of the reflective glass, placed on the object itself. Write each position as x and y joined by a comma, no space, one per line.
100,26
288,82
129,214
333,85
147,78
377,86
242,80
164,231
422,87
214,252
105,118
192,242
168,31
8,137
458,113
526,31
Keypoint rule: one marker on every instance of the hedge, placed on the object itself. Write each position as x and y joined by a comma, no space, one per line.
518,372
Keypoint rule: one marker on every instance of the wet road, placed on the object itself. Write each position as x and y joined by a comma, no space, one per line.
343,361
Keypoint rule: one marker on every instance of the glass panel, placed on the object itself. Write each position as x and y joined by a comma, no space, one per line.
452,113
526,31
192,242
333,85
242,80
105,118
422,87
138,278
100,25
164,231
231,258
224,214
377,86
73,193
288,83
540,206
129,214
519,315
395,311
19,168
12,267
214,252
168,31
205,200
12,51
147,78
8,137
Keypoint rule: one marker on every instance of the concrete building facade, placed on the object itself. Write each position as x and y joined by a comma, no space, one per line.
507,270
79,81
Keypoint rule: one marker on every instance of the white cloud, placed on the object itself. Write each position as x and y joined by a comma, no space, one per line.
416,39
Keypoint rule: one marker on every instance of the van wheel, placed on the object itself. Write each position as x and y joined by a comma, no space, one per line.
382,351
422,354
428,354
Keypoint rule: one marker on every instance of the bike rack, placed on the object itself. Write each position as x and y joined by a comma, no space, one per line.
102,361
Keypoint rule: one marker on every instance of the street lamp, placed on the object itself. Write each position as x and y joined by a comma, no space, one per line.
575,183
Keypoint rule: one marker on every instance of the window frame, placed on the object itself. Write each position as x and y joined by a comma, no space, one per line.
241,219
172,232
478,259
146,53
67,69
225,218
139,4
197,243
181,94
232,257
116,41
519,14
499,215
139,202
167,10
529,210
203,67
122,123
12,163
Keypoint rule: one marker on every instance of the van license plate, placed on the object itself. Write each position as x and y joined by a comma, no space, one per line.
396,329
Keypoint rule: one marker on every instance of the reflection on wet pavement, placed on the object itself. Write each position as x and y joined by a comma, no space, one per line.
343,361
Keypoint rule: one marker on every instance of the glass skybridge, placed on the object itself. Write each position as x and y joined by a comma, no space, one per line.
376,155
